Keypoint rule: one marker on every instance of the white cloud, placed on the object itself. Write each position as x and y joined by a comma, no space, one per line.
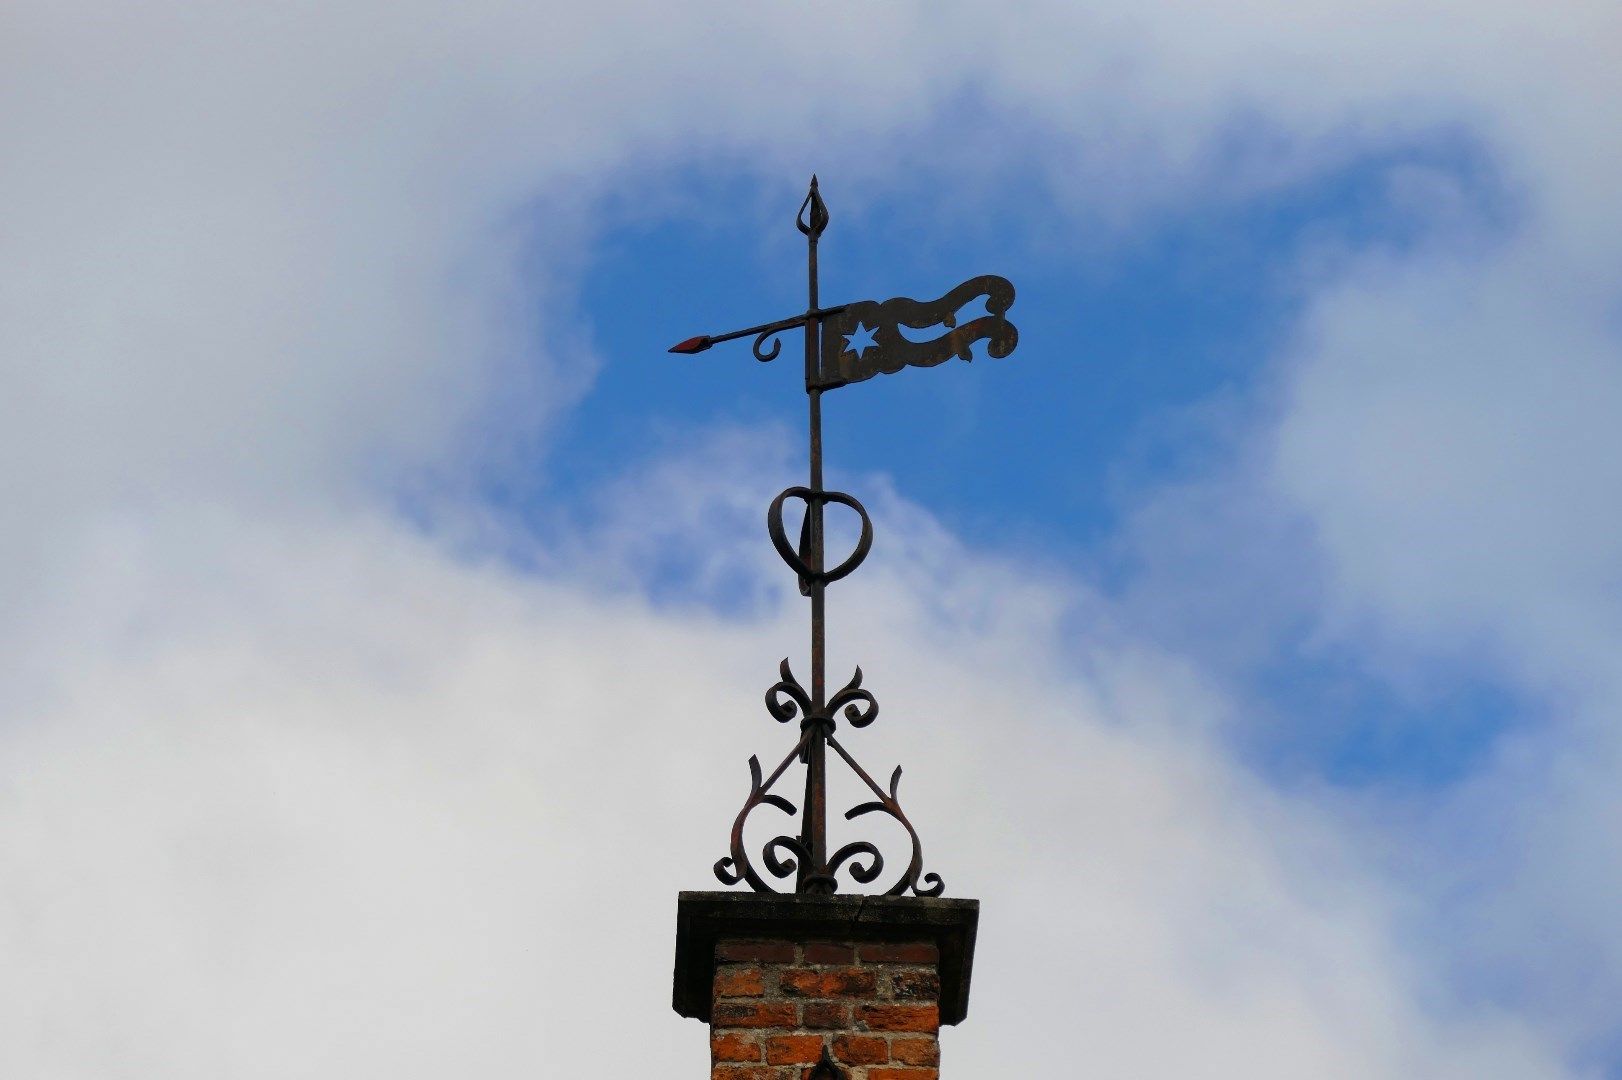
1449,434
336,803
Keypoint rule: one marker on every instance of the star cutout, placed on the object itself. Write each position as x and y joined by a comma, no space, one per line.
861,340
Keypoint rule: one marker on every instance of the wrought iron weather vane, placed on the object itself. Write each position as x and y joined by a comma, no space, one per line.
843,344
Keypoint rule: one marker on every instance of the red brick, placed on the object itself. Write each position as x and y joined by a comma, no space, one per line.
755,952
800,982
914,953
740,1072
861,1050
730,1046
739,982
839,982
921,985
915,1051
903,1074
824,953
794,1049
900,1017
849,982
824,1015
747,1014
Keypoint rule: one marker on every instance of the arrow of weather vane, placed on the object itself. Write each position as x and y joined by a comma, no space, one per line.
843,344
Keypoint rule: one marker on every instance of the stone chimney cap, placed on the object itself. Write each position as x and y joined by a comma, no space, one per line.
704,918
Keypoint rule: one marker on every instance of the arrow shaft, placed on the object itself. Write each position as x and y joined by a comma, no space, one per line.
705,341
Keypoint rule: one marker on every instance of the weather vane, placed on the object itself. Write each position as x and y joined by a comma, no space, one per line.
843,344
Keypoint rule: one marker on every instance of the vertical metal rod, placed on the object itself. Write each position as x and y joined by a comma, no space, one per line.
815,827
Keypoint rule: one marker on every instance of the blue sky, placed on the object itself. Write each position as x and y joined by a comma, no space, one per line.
381,596
1129,343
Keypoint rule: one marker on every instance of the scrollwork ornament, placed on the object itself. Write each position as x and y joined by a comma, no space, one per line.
778,866
861,707
785,856
787,698
866,873
766,356
889,803
736,867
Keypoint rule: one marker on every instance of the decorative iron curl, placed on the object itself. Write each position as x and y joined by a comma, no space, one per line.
780,867
865,873
786,699
777,346
888,803
798,702
736,867
851,699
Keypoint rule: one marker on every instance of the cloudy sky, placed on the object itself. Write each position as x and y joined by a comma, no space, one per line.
386,615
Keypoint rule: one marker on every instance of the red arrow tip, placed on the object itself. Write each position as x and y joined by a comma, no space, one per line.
692,345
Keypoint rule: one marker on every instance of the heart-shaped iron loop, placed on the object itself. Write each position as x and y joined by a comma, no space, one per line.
797,559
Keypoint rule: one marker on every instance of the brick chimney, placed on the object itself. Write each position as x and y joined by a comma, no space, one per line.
803,987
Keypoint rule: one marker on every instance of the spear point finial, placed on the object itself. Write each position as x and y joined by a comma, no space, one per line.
812,223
